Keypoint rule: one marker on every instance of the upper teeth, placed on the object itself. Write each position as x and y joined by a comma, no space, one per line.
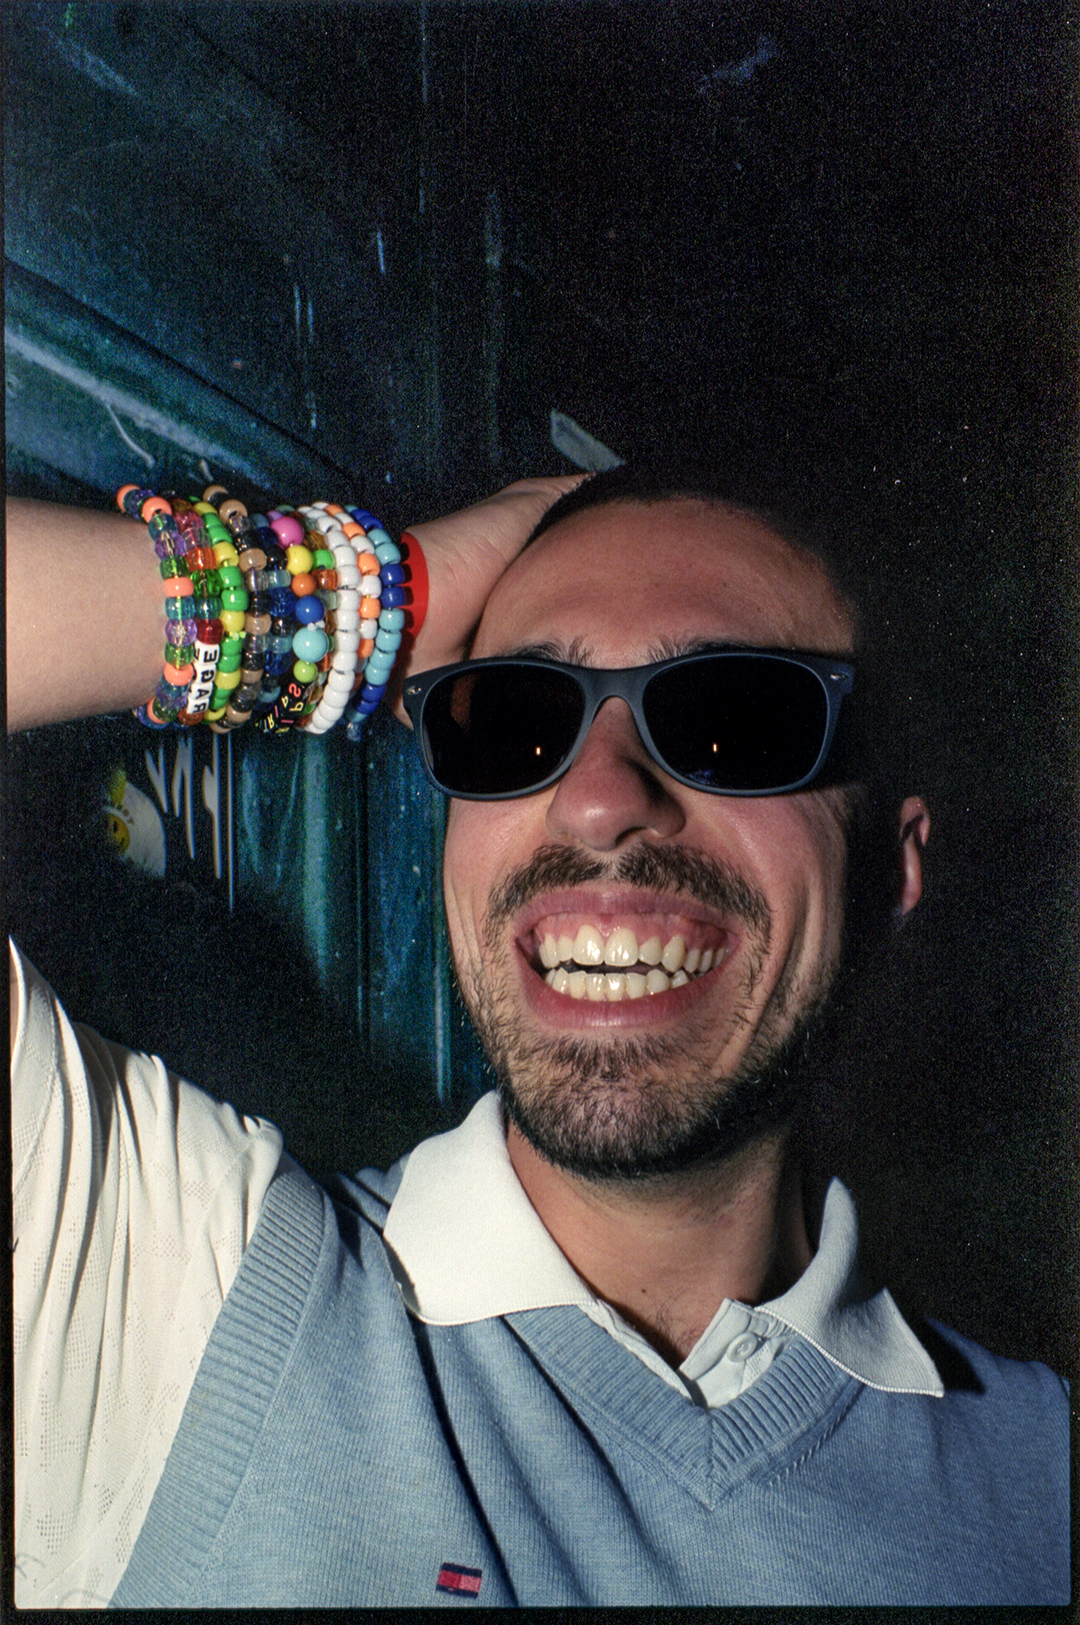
651,966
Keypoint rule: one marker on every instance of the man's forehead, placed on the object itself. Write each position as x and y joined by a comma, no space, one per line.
669,576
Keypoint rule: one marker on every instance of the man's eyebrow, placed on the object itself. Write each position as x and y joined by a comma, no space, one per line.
564,654
674,648
578,652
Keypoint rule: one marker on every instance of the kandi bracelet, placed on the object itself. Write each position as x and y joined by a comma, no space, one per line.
337,577
384,629
290,618
171,547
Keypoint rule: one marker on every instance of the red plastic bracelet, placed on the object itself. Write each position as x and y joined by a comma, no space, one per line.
416,610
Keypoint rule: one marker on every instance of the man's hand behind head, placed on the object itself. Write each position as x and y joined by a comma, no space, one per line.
466,553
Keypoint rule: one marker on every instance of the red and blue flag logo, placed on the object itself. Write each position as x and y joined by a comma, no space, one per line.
462,1582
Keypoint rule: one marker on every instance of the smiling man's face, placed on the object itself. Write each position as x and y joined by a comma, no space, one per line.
719,918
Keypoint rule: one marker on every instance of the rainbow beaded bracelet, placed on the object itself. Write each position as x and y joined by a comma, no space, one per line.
171,544
293,618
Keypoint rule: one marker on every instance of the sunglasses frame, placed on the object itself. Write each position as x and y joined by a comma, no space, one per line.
629,683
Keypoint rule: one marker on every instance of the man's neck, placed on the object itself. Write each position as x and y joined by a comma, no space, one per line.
667,1252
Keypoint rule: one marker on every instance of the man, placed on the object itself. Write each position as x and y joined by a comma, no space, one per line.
597,1346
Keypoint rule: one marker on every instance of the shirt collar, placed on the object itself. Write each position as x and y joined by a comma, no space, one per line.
467,1244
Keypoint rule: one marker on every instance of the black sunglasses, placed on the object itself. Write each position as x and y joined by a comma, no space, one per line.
737,722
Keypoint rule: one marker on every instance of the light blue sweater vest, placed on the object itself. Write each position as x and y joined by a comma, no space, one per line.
335,1453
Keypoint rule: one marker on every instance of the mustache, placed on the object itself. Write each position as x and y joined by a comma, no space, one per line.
684,871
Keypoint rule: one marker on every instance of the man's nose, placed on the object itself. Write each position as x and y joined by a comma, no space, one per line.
613,790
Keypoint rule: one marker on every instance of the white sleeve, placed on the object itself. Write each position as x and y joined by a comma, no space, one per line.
134,1197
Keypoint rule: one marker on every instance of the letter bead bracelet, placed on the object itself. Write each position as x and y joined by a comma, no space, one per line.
289,619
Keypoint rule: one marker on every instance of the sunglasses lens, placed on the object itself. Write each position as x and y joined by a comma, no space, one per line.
738,722
499,730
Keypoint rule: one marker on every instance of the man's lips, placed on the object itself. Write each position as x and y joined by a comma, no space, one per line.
617,946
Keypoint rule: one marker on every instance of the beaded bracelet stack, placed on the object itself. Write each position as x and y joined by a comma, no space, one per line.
291,619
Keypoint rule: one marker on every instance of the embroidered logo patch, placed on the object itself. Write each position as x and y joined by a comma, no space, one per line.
463,1582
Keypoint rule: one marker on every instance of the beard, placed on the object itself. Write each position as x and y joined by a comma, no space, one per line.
632,1108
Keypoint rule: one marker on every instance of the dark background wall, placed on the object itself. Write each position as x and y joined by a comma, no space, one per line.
364,250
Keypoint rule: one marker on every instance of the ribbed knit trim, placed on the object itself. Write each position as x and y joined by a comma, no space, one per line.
801,1394
233,1388
800,1397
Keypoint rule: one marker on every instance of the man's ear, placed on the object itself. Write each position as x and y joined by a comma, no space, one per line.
914,834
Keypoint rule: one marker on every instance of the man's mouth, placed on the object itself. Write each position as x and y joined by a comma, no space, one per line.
611,961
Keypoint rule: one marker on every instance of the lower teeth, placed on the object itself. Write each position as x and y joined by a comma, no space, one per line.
612,986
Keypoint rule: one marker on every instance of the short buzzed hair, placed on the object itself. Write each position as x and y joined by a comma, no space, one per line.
744,494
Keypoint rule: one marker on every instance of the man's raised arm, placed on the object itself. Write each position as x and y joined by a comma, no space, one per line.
84,600
84,613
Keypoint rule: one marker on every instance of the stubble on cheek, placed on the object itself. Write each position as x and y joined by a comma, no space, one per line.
803,986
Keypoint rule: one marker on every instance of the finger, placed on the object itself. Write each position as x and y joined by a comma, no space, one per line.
503,521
